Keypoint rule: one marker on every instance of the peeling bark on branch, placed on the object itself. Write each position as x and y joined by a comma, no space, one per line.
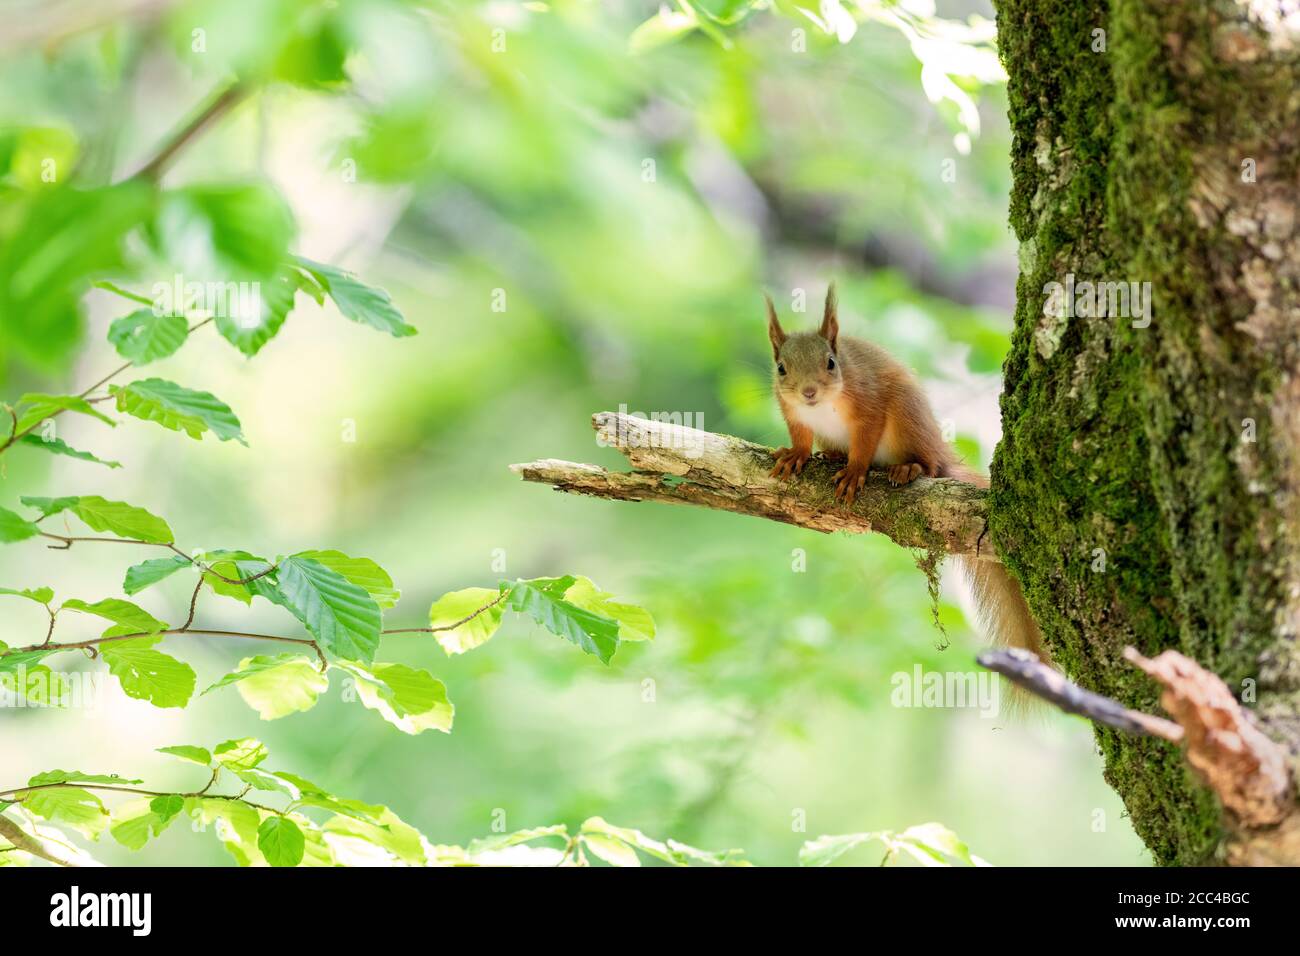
682,465
1247,770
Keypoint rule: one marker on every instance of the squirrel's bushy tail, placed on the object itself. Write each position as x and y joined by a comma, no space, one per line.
999,602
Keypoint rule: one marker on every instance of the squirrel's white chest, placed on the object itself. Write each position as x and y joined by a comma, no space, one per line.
832,432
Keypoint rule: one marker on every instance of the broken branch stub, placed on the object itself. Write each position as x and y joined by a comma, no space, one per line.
680,465
1248,771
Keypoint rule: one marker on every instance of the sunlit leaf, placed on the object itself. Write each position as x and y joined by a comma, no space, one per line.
455,607
147,674
178,409
366,304
115,517
57,446
276,686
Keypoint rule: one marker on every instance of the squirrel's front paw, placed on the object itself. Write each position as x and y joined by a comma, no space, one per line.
789,462
848,481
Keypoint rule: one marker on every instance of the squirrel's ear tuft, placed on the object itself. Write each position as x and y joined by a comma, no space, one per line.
774,330
830,329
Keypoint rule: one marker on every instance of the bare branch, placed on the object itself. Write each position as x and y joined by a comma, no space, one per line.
37,847
679,465
1026,670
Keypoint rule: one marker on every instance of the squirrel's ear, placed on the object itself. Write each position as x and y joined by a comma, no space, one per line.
830,329
774,330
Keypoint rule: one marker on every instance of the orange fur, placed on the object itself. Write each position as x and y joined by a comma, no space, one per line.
882,411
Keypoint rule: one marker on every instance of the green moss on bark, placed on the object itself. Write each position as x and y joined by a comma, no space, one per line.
1122,445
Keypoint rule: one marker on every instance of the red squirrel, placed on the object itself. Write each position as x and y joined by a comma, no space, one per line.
854,399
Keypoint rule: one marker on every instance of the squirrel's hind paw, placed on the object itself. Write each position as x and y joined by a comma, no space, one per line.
903,474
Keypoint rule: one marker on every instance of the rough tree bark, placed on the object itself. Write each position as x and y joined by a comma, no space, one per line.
1147,487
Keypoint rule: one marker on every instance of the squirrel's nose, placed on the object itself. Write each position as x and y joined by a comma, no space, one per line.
810,392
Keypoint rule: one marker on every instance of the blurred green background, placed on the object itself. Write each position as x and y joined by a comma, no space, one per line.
574,223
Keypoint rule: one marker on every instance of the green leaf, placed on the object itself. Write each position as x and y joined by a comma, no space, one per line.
458,605
115,517
58,240
502,841
120,612
198,755
236,825
15,527
79,809
39,595
936,842
242,753
662,28
357,301
57,446
143,336
250,333
360,571
147,573
167,806
134,822
411,700
635,623
277,686
35,683
178,409
147,674
280,841
311,795
614,852
44,406
390,834
76,776
341,615
594,633
225,232
670,851
827,849
260,779
12,661
232,566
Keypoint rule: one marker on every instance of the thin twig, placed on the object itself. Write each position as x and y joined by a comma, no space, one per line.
16,436
113,788
222,102
194,603
449,627
1026,670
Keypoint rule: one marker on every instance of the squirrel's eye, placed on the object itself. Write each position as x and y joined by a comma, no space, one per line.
780,368
830,364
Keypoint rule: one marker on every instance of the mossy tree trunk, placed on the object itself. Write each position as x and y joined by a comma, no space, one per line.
1147,487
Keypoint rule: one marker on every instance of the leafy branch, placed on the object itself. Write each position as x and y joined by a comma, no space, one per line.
285,833
338,599
282,827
